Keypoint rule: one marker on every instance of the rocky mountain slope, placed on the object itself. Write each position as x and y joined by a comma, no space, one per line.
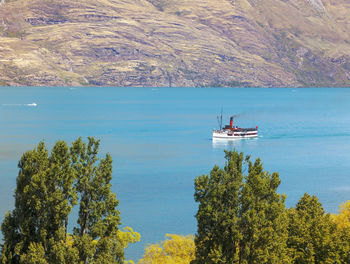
175,42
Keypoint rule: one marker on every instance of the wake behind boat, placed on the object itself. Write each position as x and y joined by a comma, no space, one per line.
231,131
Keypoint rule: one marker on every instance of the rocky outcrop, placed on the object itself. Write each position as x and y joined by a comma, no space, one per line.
318,4
175,43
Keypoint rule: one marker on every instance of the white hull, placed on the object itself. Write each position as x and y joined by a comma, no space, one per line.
234,135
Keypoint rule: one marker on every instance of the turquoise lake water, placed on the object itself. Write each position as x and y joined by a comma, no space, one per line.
160,140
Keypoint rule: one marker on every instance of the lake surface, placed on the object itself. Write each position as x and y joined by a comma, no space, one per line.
160,140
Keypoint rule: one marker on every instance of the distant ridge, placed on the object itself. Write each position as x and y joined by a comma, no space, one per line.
269,43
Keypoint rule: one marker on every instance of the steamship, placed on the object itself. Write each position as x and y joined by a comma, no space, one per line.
231,131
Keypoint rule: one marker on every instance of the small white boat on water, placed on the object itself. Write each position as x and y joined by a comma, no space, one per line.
234,132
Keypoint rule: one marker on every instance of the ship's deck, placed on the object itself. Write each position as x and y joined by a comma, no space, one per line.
244,129
238,129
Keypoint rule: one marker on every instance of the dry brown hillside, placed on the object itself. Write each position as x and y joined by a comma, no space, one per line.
175,42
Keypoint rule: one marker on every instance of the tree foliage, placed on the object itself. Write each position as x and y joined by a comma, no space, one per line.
342,221
175,249
241,218
313,236
343,218
49,185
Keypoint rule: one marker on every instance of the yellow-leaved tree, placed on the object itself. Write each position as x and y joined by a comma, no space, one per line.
343,218
175,249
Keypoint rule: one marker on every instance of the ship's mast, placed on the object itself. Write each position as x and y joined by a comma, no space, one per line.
220,120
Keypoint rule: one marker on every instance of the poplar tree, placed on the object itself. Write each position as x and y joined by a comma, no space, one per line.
48,186
241,218
96,234
43,200
313,236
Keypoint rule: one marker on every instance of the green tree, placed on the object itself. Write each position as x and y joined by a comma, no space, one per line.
48,186
43,200
98,216
313,236
241,218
